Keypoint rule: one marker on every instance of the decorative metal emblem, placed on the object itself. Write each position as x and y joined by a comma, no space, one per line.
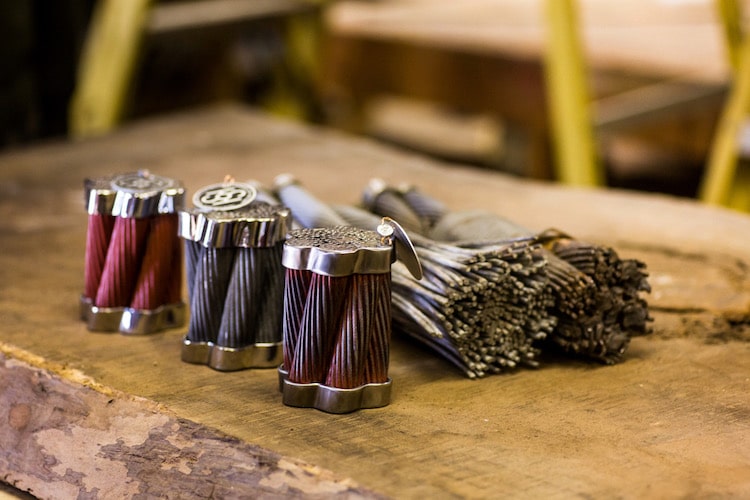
225,196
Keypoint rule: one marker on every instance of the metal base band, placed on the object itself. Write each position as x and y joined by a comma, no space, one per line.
131,321
261,355
332,399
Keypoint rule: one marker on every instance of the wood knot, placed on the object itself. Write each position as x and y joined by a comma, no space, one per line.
19,416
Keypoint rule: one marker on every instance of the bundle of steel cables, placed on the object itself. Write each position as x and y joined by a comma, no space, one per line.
598,297
494,294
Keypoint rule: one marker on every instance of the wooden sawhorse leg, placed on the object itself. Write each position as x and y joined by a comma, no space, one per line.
726,180
569,98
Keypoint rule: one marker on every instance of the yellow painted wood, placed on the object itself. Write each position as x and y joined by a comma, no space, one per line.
739,194
295,78
721,185
119,27
568,97
730,15
107,64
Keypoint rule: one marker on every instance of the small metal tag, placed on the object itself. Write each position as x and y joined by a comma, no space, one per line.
402,245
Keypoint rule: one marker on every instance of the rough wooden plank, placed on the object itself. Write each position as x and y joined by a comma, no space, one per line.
68,436
672,420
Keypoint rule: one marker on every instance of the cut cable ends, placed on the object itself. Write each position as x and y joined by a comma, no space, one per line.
596,297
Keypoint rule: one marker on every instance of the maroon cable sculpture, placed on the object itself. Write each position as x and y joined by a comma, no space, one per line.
337,316
133,267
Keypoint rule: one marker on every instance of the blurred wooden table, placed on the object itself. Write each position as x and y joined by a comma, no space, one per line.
658,69
110,416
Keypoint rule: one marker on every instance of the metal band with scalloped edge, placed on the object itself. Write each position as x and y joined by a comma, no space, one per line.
131,321
133,195
337,251
258,225
332,399
260,355
198,353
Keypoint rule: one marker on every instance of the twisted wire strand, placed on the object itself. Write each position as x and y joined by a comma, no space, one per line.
378,349
296,288
123,262
348,360
315,344
243,295
193,251
212,276
269,324
156,276
177,259
98,237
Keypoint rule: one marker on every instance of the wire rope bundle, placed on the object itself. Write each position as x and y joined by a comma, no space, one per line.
597,298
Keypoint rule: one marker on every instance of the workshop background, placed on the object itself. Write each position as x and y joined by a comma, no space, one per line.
465,81
646,95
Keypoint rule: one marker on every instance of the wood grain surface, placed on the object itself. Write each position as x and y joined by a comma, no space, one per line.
103,415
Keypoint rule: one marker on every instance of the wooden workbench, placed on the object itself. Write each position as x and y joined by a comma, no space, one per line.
111,416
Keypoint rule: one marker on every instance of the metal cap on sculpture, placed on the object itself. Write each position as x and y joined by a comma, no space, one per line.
133,195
